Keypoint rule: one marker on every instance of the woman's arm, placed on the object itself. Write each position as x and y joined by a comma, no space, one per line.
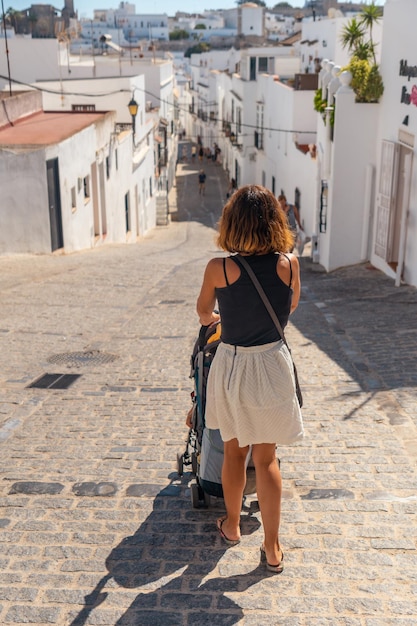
207,298
296,283
290,275
297,217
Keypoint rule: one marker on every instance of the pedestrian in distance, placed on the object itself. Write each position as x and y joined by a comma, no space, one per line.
251,388
293,216
200,153
193,152
232,187
202,183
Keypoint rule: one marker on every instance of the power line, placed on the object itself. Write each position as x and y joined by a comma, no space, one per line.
167,102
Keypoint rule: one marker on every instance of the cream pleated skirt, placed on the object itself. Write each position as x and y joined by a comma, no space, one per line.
251,395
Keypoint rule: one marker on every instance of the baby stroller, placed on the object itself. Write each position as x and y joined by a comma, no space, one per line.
204,447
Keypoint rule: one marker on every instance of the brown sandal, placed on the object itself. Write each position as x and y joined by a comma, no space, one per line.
229,542
276,569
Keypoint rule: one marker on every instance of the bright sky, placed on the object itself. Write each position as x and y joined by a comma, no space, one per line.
85,8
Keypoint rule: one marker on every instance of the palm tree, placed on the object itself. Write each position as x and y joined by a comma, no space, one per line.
370,15
13,17
352,35
364,51
357,37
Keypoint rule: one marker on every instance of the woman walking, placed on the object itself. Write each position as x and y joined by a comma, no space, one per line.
251,389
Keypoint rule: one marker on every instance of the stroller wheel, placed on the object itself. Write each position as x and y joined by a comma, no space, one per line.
180,464
194,463
195,496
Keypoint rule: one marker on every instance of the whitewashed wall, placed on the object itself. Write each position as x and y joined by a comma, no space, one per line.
252,21
30,60
107,94
326,35
24,203
400,18
345,241
287,110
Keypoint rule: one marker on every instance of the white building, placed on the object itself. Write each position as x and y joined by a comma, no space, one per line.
251,19
135,26
367,196
321,39
78,189
264,125
107,83
394,234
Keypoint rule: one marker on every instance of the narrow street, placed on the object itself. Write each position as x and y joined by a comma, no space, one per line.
96,526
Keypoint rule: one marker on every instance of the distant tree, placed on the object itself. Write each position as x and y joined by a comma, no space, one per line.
200,27
179,34
13,17
283,5
258,2
197,49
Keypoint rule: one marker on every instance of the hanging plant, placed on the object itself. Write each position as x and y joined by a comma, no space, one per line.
319,103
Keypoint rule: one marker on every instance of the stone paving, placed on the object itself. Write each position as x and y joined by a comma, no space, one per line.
96,527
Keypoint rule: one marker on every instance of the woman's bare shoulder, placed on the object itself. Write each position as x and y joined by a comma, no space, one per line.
287,266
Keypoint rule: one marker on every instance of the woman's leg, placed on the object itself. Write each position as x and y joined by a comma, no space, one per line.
269,488
233,482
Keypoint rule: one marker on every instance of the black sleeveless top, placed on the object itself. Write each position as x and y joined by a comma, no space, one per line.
244,318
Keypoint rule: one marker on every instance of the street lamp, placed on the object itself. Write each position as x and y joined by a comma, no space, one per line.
133,110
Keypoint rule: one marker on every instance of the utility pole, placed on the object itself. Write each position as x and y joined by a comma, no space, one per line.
7,47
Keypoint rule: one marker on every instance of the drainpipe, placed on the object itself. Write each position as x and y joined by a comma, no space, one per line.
328,145
369,178
404,215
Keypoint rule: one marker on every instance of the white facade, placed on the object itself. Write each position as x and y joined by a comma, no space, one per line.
262,126
78,189
394,242
367,191
128,181
321,39
251,20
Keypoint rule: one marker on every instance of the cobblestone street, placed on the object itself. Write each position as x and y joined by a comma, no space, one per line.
96,526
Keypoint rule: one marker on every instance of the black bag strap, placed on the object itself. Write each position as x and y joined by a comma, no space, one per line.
263,296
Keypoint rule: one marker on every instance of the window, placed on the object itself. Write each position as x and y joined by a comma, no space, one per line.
127,212
239,120
259,132
252,68
263,64
107,168
73,200
86,184
83,107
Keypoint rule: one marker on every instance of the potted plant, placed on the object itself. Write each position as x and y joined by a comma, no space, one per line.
357,38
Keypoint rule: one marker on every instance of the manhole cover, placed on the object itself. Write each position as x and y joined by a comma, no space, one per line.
92,357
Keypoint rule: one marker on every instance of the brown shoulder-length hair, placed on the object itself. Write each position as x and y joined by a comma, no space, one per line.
253,222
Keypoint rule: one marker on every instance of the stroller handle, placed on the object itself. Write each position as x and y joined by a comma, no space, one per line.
202,336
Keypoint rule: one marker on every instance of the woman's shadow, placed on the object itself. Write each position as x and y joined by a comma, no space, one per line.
170,557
